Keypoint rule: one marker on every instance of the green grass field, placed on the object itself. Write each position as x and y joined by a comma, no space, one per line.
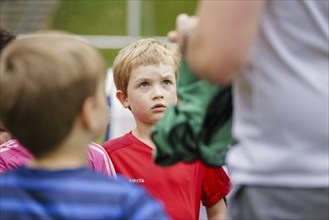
108,17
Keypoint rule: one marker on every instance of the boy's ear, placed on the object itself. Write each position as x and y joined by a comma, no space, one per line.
121,96
88,118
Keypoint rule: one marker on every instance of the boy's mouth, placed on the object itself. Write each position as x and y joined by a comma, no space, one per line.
159,108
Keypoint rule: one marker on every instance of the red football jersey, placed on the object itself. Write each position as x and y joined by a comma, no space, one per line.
179,187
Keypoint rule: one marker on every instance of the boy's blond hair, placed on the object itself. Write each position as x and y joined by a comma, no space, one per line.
45,80
141,53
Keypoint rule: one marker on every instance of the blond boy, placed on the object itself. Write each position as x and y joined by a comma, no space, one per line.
145,76
53,102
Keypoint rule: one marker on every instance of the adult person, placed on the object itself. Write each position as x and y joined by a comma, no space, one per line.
276,54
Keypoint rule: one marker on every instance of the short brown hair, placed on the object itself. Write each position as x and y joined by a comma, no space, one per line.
45,79
141,53
5,38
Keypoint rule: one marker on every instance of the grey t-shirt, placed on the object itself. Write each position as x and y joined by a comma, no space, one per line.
281,100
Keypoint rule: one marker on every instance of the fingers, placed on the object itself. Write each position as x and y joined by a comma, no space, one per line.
184,26
172,36
181,20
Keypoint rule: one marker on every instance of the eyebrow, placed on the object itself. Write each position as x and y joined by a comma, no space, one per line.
162,76
141,79
168,75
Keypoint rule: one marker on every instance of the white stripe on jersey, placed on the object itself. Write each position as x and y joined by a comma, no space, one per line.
8,145
108,163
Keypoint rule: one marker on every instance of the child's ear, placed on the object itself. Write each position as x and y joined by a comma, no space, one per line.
121,96
88,118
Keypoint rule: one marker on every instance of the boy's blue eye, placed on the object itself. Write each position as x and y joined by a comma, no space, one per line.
144,84
166,82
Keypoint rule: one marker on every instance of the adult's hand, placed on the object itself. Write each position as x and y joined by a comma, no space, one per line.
184,27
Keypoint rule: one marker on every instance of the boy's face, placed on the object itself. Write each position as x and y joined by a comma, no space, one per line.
151,90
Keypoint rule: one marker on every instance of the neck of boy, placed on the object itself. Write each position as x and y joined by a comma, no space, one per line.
58,161
71,153
143,133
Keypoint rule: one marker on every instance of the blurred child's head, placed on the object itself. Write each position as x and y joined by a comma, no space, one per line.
145,76
46,81
141,53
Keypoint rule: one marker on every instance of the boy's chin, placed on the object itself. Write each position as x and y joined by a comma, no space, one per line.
157,119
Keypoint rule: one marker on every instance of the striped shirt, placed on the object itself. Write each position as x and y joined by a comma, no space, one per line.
13,154
73,194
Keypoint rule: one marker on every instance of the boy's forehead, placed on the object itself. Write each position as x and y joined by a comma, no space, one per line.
150,71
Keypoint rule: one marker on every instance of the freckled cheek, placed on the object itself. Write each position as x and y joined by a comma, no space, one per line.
172,98
141,102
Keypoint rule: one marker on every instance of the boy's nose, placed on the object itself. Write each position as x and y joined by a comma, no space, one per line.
157,93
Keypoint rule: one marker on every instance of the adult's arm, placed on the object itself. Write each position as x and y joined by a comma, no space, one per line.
219,45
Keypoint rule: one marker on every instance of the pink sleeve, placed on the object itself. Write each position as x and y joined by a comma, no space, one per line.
99,160
13,154
2,166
